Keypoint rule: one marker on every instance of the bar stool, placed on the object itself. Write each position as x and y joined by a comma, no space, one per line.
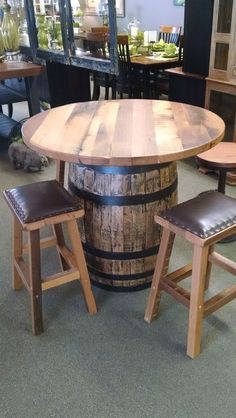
35,206
221,158
203,221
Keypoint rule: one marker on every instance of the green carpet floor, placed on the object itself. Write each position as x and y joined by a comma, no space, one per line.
112,365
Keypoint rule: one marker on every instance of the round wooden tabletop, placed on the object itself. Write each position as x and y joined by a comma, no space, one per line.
221,156
123,132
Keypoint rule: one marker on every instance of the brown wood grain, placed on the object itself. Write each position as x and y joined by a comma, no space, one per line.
13,69
123,132
145,60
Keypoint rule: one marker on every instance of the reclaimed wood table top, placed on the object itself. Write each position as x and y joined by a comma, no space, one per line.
152,60
223,155
14,69
123,132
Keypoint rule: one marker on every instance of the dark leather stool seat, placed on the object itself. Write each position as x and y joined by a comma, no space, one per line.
205,215
203,221
35,206
37,201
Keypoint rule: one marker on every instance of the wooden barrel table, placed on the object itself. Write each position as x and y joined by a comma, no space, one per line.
122,156
120,237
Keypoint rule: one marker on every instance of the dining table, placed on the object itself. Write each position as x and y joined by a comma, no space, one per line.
148,64
29,71
122,158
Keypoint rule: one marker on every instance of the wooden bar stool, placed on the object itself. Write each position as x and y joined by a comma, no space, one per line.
203,221
35,206
221,158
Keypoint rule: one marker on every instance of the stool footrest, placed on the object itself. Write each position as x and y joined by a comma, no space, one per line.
22,270
60,278
178,292
44,243
219,300
223,262
180,274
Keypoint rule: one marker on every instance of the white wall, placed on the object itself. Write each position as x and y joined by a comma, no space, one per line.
150,13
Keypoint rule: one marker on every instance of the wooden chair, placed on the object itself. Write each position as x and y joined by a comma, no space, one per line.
170,34
202,221
100,29
222,159
35,206
97,44
127,81
9,96
162,79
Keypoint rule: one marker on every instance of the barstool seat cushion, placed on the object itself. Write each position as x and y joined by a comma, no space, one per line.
36,201
204,215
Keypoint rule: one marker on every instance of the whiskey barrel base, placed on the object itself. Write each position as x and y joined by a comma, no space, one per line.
120,237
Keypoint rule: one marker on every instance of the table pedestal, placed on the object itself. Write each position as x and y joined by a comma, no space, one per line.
119,235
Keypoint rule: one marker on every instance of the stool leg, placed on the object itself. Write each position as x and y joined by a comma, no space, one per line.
81,265
60,171
17,253
35,282
161,269
58,232
208,270
200,259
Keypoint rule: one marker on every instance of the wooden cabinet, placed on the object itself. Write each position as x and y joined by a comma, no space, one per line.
221,83
50,27
49,38
188,85
223,50
197,36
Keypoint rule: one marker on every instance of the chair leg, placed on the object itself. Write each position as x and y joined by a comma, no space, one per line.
161,270
208,270
200,259
35,282
81,265
96,91
10,110
17,253
113,89
58,232
106,93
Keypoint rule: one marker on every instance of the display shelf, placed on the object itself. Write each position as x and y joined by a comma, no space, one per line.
223,51
51,36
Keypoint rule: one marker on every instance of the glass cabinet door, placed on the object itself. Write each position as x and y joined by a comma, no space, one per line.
96,46
55,30
48,23
223,40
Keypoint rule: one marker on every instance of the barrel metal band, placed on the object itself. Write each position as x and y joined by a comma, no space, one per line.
121,277
103,169
124,200
109,255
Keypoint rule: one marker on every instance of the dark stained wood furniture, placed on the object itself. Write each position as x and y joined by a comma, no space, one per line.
170,34
152,65
29,71
124,153
185,87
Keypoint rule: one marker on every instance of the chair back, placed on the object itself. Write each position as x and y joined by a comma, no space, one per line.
96,42
170,34
123,49
100,29
149,36
181,49
123,80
